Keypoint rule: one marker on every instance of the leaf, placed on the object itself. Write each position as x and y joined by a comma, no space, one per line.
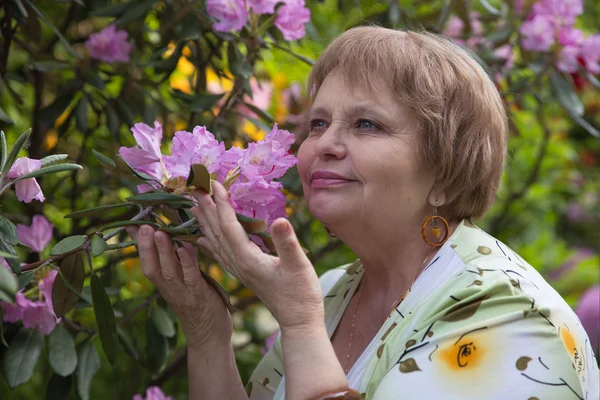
268,241
164,325
54,29
566,94
5,118
81,114
8,255
174,231
586,125
263,114
203,102
290,52
98,246
105,319
491,9
49,160
61,351
156,347
49,170
200,178
22,356
159,198
67,290
127,344
93,79
46,66
8,285
112,119
119,224
107,162
68,244
87,367
8,232
252,225
16,149
2,340
96,211
126,112
13,262
59,387
189,238
123,166
113,10
3,151
49,114
136,12
25,278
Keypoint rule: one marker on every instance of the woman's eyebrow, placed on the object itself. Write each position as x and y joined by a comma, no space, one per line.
318,111
361,109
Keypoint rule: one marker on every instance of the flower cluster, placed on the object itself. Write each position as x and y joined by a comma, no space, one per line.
153,393
247,173
34,314
552,21
232,15
109,45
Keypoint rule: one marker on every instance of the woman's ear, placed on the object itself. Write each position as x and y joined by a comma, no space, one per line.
437,196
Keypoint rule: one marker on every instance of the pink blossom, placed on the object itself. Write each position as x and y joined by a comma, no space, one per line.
146,156
37,235
590,53
269,159
454,27
291,18
198,147
569,36
538,34
263,6
231,14
505,53
588,311
261,97
13,312
109,45
269,342
568,61
27,189
153,393
229,161
258,199
560,12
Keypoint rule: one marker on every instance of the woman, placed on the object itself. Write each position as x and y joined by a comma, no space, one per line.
405,146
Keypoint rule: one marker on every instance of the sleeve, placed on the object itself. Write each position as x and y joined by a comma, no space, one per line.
488,342
263,382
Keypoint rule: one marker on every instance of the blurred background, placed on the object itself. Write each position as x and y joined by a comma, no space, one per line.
183,72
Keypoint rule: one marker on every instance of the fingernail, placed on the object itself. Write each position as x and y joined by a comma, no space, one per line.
158,238
144,231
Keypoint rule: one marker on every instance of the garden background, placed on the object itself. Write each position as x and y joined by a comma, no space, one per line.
185,63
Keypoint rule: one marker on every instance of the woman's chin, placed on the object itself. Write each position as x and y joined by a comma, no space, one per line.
329,213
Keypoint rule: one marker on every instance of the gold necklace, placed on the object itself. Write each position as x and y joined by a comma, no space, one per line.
396,304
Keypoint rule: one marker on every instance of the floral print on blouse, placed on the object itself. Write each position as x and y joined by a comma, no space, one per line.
479,323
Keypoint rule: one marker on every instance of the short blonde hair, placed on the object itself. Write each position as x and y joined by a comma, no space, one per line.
458,108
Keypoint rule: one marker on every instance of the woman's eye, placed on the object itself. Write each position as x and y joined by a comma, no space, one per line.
317,124
365,124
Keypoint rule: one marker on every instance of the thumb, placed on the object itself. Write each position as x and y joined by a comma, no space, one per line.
285,241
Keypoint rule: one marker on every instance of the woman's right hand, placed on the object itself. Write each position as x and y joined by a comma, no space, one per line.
204,318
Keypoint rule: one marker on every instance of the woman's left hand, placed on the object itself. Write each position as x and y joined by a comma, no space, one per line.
287,284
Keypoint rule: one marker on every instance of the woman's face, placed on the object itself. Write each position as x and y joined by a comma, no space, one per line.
359,161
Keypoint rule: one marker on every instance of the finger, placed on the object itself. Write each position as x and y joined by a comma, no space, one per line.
232,229
169,264
132,231
286,242
149,256
191,274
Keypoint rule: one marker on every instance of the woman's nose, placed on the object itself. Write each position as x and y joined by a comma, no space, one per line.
331,144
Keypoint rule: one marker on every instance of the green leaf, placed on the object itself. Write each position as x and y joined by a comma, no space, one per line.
3,151
566,94
46,66
16,149
67,287
113,10
174,231
107,162
119,224
203,102
8,285
25,278
127,344
126,112
22,356
586,125
87,367
93,79
252,225
54,29
199,177
159,198
112,120
81,114
13,262
156,347
49,114
290,52
5,118
96,211
491,9
124,167
2,340
49,160
68,244
8,255
263,114
164,325
49,170
98,246
59,387
135,13
61,353
8,232
105,318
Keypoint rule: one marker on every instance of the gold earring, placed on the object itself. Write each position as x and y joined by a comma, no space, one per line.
436,231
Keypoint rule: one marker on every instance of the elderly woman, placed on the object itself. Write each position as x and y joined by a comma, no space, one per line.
405,147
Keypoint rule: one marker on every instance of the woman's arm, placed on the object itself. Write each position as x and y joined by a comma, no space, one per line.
213,374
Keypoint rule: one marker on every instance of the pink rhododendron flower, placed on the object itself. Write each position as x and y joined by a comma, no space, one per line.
269,159
109,45
568,59
291,18
590,53
569,36
560,12
153,393
258,199
198,147
263,6
13,312
146,156
269,342
27,189
505,53
454,27
538,34
261,97
37,235
588,311
231,14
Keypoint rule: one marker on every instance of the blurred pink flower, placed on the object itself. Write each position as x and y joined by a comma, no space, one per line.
569,36
568,59
153,393
146,156
590,53
27,189
109,45
505,53
538,34
263,6
575,212
198,147
261,97
269,342
37,235
13,312
588,311
454,27
291,18
560,12
231,14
